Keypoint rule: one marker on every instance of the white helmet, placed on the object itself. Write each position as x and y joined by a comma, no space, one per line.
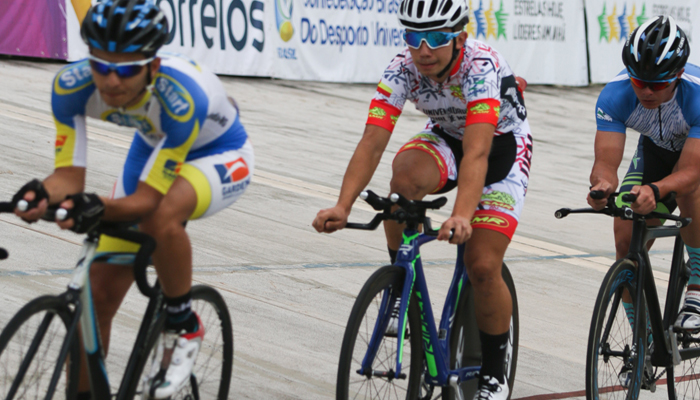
430,15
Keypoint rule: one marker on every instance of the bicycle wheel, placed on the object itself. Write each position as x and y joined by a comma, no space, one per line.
386,281
211,374
683,380
30,347
610,341
465,344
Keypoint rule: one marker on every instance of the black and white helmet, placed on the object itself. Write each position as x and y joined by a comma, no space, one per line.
430,15
656,50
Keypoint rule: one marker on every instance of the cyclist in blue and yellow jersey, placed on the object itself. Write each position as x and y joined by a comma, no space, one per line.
190,158
658,95
477,139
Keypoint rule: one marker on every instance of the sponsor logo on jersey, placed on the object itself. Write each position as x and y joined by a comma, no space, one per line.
457,92
171,169
481,108
602,115
499,197
142,123
377,112
60,142
496,204
177,102
485,219
394,118
73,78
234,175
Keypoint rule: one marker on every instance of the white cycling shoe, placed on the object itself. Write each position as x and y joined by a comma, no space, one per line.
183,350
689,317
491,389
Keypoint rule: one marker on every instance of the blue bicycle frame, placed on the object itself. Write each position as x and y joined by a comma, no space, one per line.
436,345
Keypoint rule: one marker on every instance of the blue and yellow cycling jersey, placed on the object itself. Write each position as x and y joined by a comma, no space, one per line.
668,126
184,116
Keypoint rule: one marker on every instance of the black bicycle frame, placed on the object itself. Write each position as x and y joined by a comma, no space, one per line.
641,235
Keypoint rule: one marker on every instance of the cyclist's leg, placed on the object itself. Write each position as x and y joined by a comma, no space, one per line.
205,186
690,207
494,224
422,166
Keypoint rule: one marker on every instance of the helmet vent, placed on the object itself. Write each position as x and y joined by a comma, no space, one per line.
446,8
419,11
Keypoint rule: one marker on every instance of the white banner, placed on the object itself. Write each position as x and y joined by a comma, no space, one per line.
228,36
335,40
543,41
610,22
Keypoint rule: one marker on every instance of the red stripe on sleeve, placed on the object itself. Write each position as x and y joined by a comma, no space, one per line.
483,111
383,114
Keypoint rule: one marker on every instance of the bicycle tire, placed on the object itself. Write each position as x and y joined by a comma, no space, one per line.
683,380
386,280
465,341
16,342
610,340
211,374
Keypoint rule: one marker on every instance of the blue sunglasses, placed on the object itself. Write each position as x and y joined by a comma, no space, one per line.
434,39
123,69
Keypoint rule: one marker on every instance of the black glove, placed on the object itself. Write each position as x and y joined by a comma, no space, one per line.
35,186
86,212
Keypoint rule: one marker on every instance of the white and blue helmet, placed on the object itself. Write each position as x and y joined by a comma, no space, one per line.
431,15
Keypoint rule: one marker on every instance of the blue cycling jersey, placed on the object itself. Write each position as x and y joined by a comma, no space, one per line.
667,126
185,115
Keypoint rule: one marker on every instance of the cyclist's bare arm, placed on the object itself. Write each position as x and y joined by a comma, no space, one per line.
476,144
609,149
357,176
63,182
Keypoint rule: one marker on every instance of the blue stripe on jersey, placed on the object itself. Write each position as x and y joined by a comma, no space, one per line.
71,90
615,104
233,139
182,105
139,152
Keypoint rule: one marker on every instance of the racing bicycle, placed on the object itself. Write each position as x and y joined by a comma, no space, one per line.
631,345
419,356
39,346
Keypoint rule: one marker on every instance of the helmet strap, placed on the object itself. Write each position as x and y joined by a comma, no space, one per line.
455,53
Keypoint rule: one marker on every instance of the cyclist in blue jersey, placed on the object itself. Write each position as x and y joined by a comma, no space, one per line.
657,95
190,158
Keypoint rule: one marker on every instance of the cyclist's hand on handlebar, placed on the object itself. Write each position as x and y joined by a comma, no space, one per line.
646,202
33,214
462,230
84,212
602,186
330,219
35,199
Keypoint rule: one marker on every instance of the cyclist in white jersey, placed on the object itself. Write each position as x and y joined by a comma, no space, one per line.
658,95
190,158
477,139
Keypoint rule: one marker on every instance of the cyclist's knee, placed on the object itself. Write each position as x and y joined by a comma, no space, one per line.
161,226
484,273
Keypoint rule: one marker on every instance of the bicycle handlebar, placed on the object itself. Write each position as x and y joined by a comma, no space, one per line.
623,212
120,230
409,211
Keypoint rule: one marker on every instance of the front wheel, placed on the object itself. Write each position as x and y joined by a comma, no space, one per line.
614,362
465,344
375,304
30,347
211,374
